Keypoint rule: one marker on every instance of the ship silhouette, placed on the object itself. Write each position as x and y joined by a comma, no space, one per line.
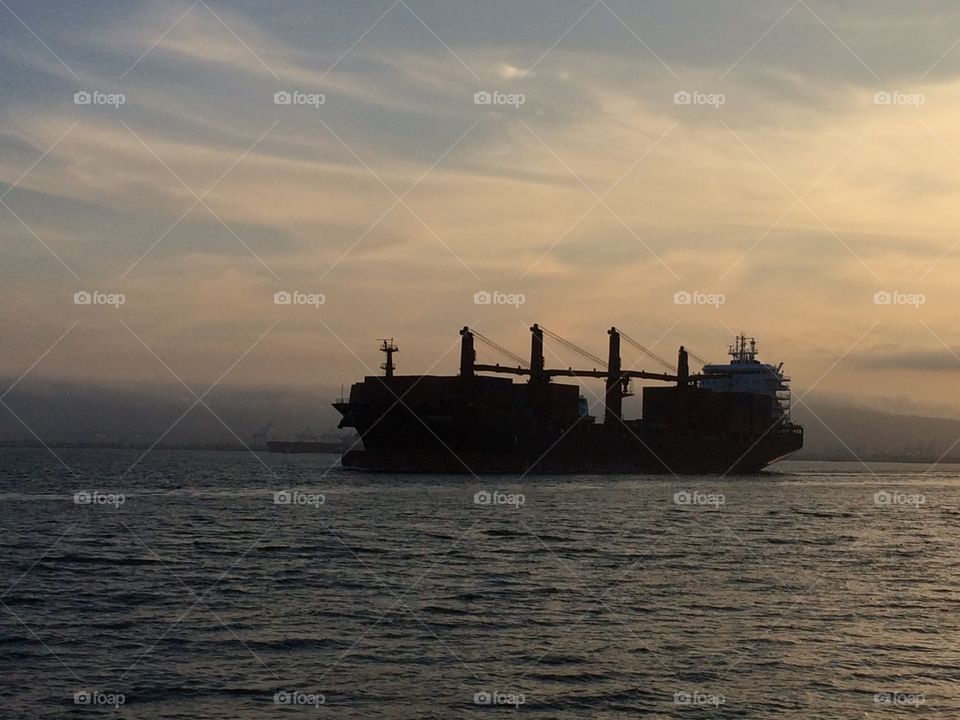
727,418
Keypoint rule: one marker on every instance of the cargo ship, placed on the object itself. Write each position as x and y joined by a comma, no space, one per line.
724,419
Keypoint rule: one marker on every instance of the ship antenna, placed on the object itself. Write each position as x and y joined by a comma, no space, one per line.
388,348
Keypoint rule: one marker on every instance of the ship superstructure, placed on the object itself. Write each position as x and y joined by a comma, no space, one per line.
745,374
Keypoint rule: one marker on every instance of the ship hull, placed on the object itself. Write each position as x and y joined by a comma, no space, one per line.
630,455
452,425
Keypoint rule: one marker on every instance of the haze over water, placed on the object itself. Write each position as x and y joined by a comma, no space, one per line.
814,590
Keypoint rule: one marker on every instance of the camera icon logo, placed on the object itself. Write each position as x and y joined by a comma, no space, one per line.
882,98
682,497
482,497
282,297
682,298
82,298
282,497
482,697
282,97
482,298
682,98
83,497
82,97
482,98
82,697
882,297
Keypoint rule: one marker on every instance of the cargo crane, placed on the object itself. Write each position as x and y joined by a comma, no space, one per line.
616,378
698,358
646,351
576,348
468,352
653,356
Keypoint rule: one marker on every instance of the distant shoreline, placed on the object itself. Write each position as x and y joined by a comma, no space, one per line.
236,447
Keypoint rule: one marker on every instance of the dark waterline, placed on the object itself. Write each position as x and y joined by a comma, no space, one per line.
816,590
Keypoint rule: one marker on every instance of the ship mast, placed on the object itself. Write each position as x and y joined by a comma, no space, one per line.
744,350
388,348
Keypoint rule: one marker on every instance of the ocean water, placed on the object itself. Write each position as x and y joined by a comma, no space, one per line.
184,587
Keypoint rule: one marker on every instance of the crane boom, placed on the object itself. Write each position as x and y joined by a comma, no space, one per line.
649,353
696,357
500,349
576,348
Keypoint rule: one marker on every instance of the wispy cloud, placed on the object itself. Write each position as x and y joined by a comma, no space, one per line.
707,185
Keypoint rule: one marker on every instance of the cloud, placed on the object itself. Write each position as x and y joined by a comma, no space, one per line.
509,192
910,360
511,72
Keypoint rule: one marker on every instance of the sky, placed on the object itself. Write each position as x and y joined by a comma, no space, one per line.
788,167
